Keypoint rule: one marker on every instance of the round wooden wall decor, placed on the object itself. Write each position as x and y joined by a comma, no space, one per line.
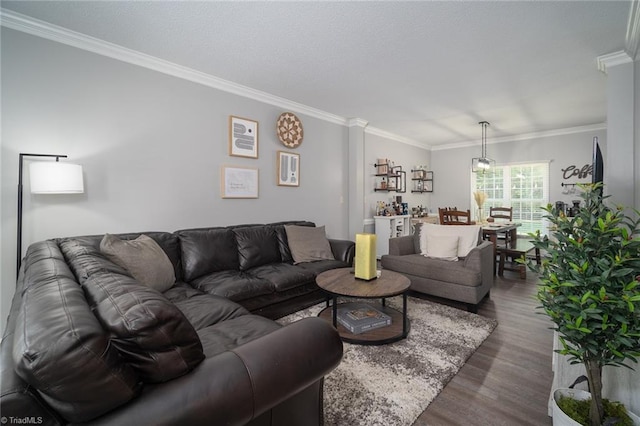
289,129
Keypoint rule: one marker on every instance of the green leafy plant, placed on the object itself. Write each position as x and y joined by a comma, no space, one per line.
590,286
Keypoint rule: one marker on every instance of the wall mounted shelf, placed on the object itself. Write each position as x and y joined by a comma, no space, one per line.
422,180
393,180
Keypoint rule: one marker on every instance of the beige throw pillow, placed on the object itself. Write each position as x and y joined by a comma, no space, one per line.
468,236
143,258
443,247
308,243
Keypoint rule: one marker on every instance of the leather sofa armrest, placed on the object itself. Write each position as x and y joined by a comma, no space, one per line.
343,250
236,386
401,246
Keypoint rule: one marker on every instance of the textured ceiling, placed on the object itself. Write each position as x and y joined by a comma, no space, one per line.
425,70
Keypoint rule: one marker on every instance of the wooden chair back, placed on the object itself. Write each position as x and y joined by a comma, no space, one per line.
454,217
501,212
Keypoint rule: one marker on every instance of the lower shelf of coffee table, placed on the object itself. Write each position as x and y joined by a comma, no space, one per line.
379,336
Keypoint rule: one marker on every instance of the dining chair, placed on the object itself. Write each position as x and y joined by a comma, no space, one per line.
454,217
502,213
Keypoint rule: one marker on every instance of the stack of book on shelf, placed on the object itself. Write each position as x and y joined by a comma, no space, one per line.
361,317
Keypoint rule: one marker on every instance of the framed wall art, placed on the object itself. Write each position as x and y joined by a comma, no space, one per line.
243,137
288,169
239,182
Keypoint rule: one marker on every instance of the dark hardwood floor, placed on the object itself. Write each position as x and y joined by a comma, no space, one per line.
508,379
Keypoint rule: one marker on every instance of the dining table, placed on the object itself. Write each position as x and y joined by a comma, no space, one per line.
491,231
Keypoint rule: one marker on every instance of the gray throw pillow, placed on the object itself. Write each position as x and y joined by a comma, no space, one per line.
143,258
308,244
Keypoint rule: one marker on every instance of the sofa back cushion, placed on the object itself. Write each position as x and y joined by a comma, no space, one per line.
60,347
80,252
207,250
143,258
283,241
151,333
469,236
256,246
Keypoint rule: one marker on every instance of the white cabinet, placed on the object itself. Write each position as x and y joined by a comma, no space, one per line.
390,227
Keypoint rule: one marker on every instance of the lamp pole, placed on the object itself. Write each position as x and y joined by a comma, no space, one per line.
21,157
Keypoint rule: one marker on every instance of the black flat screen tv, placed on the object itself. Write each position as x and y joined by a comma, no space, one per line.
597,173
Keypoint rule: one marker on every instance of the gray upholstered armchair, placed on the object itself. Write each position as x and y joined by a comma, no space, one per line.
467,279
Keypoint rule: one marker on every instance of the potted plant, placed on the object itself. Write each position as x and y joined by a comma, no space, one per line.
590,286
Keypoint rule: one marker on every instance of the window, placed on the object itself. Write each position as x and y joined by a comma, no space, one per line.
525,187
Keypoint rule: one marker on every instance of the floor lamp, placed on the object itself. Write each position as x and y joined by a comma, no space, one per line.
47,177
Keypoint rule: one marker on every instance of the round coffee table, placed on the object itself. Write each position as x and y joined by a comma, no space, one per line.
342,283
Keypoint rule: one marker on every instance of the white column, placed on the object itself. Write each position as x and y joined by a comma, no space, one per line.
622,181
620,174
356,176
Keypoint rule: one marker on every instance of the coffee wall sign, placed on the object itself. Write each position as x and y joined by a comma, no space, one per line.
574,171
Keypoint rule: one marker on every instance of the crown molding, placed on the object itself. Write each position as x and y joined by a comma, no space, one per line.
632,39
45,30
526,136
388,135
613,59
26,24
357,122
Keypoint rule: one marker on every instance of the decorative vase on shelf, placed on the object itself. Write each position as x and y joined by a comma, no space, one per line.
479,217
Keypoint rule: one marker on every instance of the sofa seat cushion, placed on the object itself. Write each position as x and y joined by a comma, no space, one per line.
202,309
234,285
322,265
257,245
232,333
151,333
207,250
435,269
283,276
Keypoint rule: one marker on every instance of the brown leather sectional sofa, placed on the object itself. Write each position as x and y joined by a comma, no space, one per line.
86,343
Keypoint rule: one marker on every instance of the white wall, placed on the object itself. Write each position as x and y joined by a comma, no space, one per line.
452,167
151,145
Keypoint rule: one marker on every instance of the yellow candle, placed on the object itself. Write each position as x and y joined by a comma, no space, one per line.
365,261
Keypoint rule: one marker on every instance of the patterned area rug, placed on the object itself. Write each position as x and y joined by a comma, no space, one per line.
393,384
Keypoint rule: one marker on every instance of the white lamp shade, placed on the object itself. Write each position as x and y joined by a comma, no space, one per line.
49,177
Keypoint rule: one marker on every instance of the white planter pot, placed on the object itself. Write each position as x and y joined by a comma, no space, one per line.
561,419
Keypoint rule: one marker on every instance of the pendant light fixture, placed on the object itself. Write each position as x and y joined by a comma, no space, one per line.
482,163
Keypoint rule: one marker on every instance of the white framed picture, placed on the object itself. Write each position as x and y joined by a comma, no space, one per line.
243,137
239,182
288,169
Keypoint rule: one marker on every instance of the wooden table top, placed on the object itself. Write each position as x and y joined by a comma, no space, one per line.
499,227
342,282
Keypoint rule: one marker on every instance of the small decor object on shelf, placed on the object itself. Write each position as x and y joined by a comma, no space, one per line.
289,130
243,137
382,166
422,179
288,169
365,261
361,317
